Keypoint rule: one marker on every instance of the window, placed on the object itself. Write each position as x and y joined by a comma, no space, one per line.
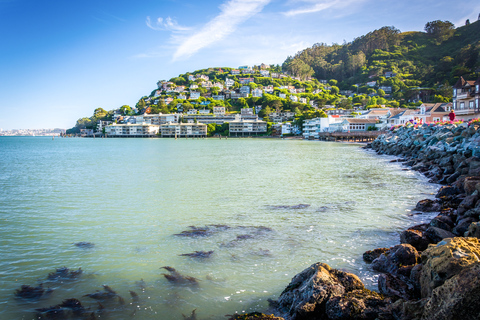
462,105
454,92
471,105
436,119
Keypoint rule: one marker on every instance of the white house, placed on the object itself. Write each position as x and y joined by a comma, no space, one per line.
264,73
194,95
229,82
282,95
245,90
294,98
257,93
268,89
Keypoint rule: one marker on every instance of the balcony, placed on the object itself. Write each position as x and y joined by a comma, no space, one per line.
463,95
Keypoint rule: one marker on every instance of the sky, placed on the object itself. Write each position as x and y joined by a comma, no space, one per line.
60,60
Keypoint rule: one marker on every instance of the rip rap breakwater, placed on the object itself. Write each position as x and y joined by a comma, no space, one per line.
433,273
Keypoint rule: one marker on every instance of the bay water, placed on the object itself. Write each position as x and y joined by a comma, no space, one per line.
271,208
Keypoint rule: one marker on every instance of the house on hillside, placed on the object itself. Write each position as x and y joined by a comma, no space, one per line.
194,95
257,93
246,80
432,112
466,99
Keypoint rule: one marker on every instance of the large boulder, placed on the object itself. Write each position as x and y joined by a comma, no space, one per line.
428,205
396,286
436,234
356,304
415,238
445,260
309,291
370,255
396,257
473,230
457,298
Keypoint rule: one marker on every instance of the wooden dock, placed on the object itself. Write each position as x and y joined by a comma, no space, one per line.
362,136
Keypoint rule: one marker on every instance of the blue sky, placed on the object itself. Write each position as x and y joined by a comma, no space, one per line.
59,60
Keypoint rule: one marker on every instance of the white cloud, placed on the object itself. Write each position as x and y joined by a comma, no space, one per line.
232,14
165,24
313,6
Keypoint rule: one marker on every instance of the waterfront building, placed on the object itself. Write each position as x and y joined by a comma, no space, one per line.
312,127
183,130
131,130
352,125
247,127
466,99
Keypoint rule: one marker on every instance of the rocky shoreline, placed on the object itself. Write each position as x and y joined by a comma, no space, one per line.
434,272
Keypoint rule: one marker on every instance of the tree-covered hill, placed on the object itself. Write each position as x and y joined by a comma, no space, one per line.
419,59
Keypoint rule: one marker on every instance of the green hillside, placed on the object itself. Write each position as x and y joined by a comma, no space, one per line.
428,59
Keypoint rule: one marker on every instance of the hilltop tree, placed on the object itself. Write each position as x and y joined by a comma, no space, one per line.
126,110
440,30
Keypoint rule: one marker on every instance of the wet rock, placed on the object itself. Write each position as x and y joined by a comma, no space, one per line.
442,222
253,316
85,245
396,257
445,260
70,308
415,238
428,205
473,213
176,277
294,207
473,230
64,274
436,235
192,316
309,291
462,226
107,294
198,254
396,286
471,184
356,304
457,297
196,232
467,203
371,255
32,293
447,191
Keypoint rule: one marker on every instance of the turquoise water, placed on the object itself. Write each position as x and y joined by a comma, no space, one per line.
129,197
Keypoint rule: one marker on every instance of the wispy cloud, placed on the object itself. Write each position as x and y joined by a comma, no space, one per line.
165,24
312,6
232,14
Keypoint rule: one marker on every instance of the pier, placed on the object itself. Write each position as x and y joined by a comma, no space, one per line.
363,136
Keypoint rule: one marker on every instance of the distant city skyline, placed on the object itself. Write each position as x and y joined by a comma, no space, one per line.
60,59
